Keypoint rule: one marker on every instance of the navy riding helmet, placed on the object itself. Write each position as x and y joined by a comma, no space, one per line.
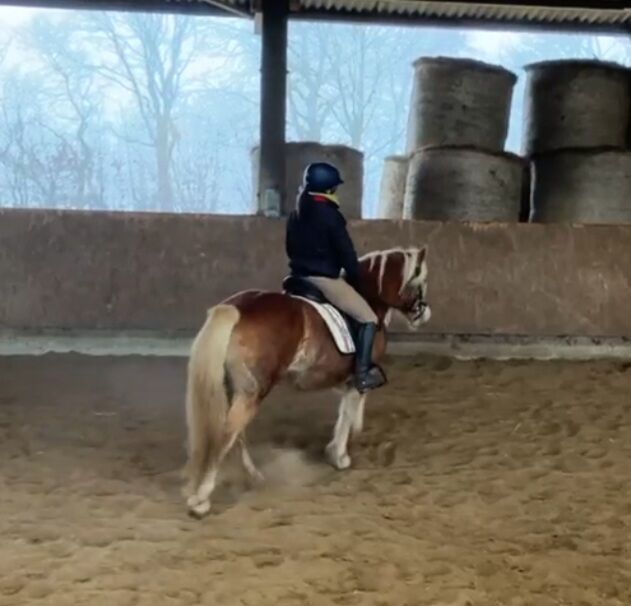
321,177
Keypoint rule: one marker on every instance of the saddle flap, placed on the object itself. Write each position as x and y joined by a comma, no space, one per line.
299,287
336,323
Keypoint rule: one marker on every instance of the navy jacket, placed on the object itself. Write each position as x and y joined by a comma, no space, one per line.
317,241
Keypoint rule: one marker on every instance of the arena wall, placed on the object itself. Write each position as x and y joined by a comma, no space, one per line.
120,271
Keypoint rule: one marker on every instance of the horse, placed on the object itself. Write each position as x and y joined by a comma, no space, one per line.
256,339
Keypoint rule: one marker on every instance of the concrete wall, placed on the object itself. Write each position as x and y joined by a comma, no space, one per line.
160,272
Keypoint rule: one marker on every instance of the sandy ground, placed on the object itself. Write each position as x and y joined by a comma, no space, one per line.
479,483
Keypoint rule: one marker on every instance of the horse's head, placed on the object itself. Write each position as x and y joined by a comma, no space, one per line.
398,280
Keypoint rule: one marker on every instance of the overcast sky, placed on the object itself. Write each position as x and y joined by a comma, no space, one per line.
10,15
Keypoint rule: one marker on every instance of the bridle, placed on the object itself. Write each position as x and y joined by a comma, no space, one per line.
418,305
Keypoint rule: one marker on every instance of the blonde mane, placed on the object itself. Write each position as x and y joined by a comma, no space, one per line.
411,257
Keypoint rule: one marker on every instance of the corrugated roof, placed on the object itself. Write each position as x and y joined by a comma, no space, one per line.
480,11
615,13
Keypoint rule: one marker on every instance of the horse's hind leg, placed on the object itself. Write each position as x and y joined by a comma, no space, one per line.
241,412
255,476
349,418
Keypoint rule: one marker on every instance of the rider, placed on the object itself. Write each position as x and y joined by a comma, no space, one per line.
319,248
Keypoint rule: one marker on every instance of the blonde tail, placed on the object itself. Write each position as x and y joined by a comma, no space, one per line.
206,398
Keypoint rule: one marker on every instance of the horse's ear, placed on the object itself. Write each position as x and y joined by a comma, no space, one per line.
422,255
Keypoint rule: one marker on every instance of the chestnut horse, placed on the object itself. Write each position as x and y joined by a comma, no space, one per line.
256,339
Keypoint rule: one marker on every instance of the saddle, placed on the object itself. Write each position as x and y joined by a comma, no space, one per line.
343,328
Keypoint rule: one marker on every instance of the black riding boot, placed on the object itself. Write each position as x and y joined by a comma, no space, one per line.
367,375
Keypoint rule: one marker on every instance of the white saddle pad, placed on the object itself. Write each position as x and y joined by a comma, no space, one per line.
336,324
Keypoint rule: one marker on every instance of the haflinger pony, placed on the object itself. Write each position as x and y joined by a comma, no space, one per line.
255,339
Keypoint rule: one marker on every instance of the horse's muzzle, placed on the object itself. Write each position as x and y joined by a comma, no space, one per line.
421,314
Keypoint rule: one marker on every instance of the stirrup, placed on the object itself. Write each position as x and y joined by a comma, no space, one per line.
373,378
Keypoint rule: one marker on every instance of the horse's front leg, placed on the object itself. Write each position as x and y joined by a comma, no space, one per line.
350,418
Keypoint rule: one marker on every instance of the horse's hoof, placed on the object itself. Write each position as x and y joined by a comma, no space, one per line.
340,462
196,508
343,462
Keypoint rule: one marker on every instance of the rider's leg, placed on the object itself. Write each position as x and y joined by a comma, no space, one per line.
342,295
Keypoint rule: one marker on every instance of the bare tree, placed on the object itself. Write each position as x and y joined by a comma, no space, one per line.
308,99
123,100
33,163
73,99
147,57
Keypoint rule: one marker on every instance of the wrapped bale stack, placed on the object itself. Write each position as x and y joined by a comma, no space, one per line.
457,132
576,135
298,154
392,190
459,102
463,184
457,128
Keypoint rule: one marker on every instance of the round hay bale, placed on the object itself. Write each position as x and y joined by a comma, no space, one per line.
299,154
576,104
463,184
392,190
459,102
582,186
